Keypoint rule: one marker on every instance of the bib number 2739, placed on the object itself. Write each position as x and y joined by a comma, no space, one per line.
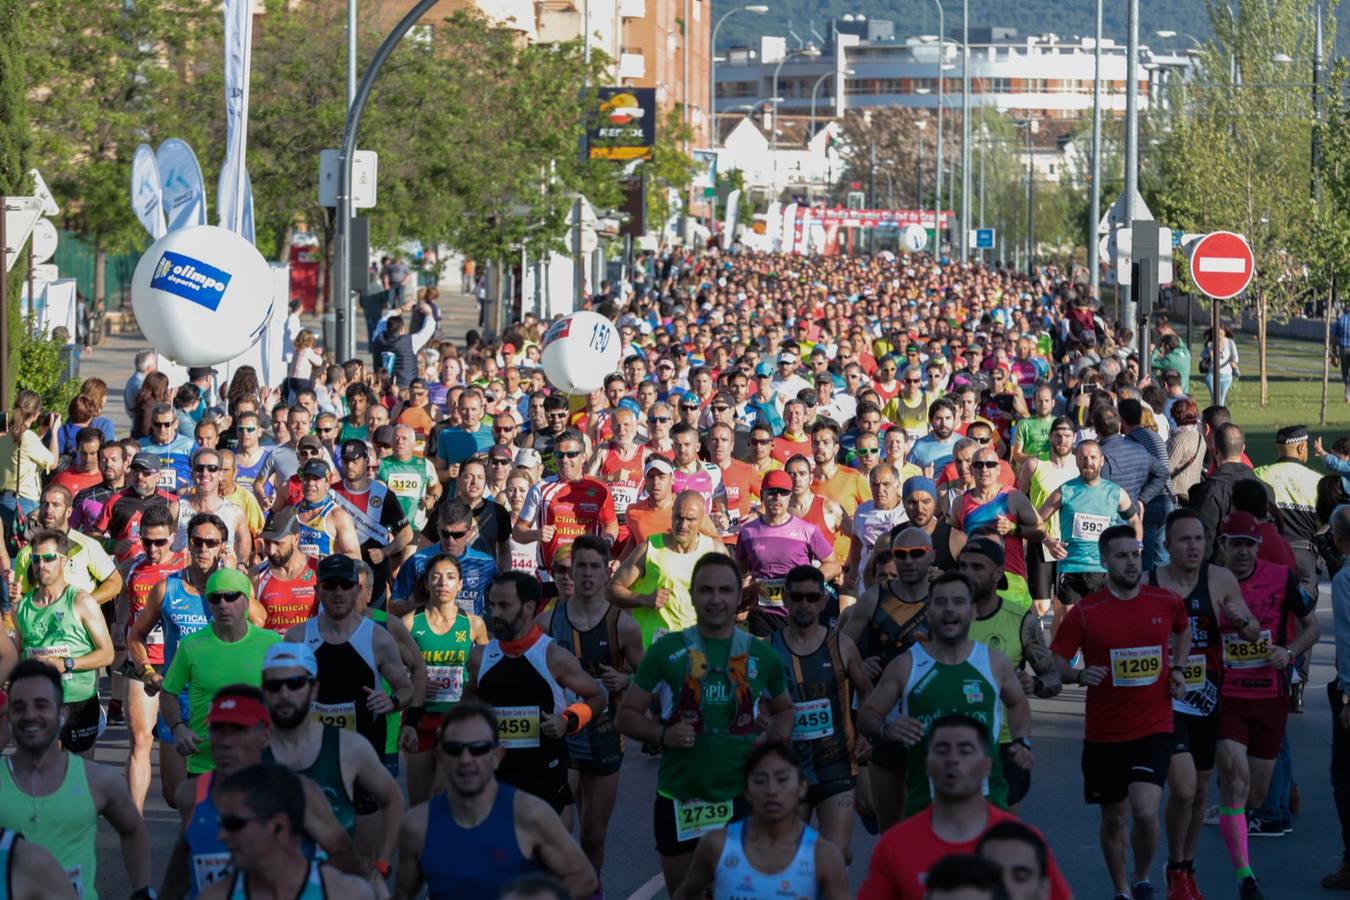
695,818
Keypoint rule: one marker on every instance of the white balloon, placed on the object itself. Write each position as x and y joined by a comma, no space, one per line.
914,238
579,351
202,295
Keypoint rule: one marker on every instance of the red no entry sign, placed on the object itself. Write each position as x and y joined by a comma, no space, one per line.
1222,264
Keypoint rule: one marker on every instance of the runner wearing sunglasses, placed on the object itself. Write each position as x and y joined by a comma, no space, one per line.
558,510
1004,509
457,531
141,574
240,730
495,831
211,658
262,821
204,497
325,527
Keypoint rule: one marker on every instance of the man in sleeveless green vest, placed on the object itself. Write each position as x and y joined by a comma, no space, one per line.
340,761
55,797
709,680
63,627
654,579
950,674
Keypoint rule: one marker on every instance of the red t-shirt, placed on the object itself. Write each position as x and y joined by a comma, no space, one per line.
741,481
1274,547
575,508
902,858
784,449
1133,701
75,482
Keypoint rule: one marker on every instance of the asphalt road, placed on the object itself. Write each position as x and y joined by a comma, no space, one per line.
1289,866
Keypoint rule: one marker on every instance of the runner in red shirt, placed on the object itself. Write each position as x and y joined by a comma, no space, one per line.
286,584
958,764
619,462
1134,639
558,511
740,480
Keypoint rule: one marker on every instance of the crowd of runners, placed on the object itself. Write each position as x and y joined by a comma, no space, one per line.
398,624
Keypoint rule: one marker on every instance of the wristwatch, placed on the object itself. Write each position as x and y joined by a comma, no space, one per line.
1024,741
69,662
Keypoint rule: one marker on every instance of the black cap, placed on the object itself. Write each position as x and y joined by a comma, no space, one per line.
281,523
1292,434
314,468
339,566
147,461
196,372
355,447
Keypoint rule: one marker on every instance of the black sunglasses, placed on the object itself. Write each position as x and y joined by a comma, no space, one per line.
294,683
567,454
454,535
205,467
154,542
235,823
223,596
455,749
984,464
209,543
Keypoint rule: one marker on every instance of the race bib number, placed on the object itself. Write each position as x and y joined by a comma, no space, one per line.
51,651
771,592
623,494
168,478
211,867
812,720
445,684
1136,666
339,715
77,879
1089,528
518,727
405,485
1240,654
695,818
1194,671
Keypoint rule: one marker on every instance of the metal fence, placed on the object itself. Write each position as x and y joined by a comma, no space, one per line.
75,258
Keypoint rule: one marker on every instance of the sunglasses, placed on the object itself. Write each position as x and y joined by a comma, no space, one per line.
166,424
501,462
776,492
47,557
248,429
223,597
804,596
205,467
657,420
567,454
909,552
337,584
209,543
503,427
761,441
688,408
235,823
294,683
455,749
981,440
984,463
329,430
867,451
454,535
155,542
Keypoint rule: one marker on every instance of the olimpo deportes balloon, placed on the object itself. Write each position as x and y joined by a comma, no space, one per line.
579,351
202,295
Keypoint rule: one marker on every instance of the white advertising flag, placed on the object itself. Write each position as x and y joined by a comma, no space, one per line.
247,230
773,225
146,199
232,187
729,225
789,232
181,180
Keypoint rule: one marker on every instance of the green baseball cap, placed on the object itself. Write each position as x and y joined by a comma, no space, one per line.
228,580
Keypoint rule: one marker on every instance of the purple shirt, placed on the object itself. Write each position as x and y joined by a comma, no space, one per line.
770,551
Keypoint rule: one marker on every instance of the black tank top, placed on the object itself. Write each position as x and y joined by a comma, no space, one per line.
344,670
813,678
522,692
1200,608
894,627
593,648
942,547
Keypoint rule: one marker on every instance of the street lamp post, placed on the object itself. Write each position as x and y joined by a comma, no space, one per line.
1094,263
937,181
814,88
758,9
810,52
965,130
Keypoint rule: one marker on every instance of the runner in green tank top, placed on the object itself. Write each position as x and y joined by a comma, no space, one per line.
444,635
1031,440
653,579
55,798
950,674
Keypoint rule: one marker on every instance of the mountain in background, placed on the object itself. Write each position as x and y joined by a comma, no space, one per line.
1066,18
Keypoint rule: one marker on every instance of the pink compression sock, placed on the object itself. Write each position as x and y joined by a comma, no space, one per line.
1233,827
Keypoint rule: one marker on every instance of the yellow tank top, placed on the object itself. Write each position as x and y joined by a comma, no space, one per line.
674,571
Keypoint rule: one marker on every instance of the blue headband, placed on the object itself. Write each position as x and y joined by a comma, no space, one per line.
916,483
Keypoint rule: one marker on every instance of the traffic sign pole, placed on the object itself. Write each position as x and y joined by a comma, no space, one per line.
1222,266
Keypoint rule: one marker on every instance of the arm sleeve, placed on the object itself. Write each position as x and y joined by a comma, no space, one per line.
529,510
1334,463
40,452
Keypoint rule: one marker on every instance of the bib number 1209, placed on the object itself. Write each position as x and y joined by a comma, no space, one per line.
695,818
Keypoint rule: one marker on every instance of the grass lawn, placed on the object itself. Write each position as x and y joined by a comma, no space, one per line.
1294,376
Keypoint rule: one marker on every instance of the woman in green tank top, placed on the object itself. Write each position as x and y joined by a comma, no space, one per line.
445,635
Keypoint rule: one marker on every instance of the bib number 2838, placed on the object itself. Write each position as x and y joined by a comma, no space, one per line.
695,818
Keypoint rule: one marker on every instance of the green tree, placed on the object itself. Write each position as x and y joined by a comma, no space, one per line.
110,76
670,168
15,143
1235,155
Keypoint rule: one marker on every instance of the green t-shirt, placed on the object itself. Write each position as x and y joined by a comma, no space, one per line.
408,480
350,430
204,664
711,769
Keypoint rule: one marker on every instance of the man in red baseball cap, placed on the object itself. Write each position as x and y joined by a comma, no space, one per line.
240,728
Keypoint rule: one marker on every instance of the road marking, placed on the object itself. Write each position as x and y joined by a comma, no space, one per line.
1236,265
654,886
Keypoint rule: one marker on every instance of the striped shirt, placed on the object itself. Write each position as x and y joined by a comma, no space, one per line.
1340,331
